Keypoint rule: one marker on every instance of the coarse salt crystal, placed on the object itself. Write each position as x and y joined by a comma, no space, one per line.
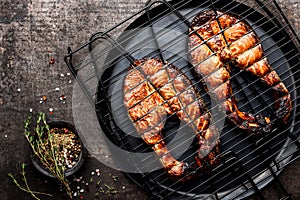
62,97
56,89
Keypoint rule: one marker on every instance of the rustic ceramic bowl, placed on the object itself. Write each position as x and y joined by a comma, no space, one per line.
82,155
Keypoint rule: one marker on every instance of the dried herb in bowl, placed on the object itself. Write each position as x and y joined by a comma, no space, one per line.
57,149
68,144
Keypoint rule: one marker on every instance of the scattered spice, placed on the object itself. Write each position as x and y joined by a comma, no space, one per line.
75,194
91,180
115,178
44,98
98,172
101,190
52,61
76,179
101,187
98,183
110,189
62,98
68,144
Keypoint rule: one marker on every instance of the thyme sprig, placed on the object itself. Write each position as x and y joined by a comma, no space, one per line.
41,142
26,188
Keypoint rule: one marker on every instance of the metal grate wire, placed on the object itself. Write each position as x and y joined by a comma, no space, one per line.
232,162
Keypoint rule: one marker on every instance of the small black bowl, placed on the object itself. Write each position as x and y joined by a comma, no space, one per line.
81,159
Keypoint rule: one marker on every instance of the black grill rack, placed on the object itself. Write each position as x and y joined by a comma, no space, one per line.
246,165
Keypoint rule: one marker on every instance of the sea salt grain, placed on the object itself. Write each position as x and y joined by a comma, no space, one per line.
62,97
98,172
77,179
56,89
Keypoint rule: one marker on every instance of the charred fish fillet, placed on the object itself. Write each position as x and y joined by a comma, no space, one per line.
154,89
218,40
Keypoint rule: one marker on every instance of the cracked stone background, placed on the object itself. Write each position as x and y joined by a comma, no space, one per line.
34,31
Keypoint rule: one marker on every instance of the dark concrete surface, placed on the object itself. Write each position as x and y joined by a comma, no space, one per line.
31,33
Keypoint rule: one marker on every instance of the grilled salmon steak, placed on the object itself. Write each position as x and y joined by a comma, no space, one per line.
219,40
154,89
